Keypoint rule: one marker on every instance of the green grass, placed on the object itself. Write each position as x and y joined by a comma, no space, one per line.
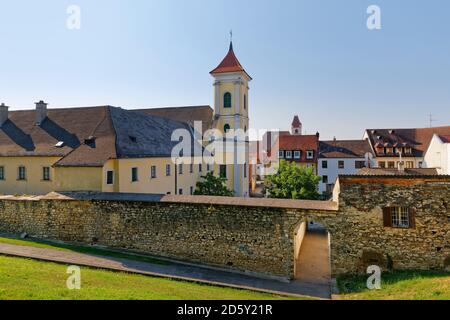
24,279
80,249
399,285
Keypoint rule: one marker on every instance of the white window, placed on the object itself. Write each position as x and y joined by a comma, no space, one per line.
297,154
288,154
310,154
400,217
281,154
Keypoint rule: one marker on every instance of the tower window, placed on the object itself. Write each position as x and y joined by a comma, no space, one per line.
245,102
226,128
227,100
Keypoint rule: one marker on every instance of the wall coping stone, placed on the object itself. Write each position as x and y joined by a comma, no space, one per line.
225,201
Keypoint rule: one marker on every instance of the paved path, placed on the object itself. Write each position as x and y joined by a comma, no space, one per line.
314,261
172,270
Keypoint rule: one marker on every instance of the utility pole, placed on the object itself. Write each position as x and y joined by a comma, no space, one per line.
431,120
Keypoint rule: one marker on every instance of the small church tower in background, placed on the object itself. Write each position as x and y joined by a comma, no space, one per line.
296,128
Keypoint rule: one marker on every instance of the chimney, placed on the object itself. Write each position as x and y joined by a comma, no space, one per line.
3,114
41,112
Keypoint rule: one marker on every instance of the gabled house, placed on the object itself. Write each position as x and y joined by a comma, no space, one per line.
392,146
438,154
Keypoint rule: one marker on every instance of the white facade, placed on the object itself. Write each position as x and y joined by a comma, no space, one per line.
330,168
438,155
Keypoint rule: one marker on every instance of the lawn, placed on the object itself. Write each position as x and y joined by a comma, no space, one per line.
399,285
80,249
25,279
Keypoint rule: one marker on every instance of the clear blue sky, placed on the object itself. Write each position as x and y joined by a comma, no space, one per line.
313,58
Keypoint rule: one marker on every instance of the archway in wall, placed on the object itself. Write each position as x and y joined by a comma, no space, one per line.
312,253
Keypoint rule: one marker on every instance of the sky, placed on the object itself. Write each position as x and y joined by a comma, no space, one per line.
312,58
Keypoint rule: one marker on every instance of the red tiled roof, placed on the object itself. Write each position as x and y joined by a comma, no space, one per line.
417,138
445,139
229,64
300,143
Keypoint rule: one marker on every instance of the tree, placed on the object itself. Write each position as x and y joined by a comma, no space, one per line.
292,182
213,186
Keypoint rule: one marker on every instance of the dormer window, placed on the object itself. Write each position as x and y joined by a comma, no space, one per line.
90,141
281,154
297,154
133,139
310,154
60,144
288,154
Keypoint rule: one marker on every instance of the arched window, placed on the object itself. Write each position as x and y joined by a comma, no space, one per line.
226,128
227,100
245,102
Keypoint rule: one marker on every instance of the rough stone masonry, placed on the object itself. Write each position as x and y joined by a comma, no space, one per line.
252,235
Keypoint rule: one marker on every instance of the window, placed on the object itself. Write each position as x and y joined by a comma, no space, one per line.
341,164
245,170
208,168
22,173
192,191
391,164
310,154
245,102
297,154
223,171
191,168
281,154
382,164
2,173
409,164
134,174
226,128
46,173
288,154
360,164
200,167
227,100
180,192
420,164
324,164
109,177
180,168
325,179
399,217
153,172
168,170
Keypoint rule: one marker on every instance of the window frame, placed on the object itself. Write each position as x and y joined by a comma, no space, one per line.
309,154
2,173
299,153
108,181
227,100
288,154
21,176
134,174
153,172
168,170
341,164
324,164
394,217
223,169
281,154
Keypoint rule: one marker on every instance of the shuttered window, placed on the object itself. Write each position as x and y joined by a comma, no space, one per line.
399,217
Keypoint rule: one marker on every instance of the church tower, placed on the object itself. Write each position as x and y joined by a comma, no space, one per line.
296,129
231,111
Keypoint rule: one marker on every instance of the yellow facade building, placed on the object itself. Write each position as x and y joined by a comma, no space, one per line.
109,149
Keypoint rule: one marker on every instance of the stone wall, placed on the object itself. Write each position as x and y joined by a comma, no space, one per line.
245,236
256,235
362,238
